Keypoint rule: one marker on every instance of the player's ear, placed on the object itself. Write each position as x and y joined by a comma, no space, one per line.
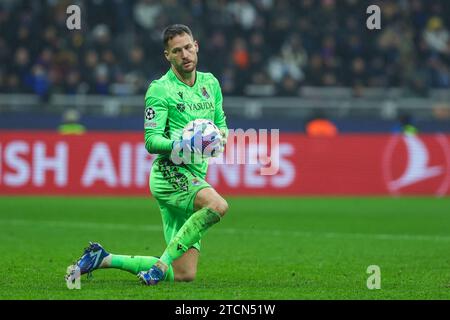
166,54
196,45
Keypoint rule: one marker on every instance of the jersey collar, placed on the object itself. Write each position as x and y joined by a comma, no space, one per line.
173,76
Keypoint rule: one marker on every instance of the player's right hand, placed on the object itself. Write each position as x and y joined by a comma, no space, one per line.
194,144
197,144
204,146
189,145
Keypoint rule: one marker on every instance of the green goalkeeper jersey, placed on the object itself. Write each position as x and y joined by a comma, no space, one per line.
171,104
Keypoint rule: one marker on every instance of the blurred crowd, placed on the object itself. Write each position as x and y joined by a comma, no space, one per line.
277,46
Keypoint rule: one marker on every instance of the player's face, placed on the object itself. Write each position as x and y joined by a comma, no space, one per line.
181,52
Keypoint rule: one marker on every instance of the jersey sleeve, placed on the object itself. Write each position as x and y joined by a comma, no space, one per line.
219,116
156,111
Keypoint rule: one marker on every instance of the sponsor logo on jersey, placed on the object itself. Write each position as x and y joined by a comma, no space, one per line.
181,107
180,94
206,105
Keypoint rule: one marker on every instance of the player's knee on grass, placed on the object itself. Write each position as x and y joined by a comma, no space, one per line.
185,275
185,268
185,272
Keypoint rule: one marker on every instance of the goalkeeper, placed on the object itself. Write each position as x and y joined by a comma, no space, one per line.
189,205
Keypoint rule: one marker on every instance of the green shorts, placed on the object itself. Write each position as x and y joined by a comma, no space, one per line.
175,189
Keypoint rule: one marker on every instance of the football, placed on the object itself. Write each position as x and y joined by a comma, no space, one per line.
210,134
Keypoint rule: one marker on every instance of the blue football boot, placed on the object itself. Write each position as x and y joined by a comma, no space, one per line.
152,276
91,259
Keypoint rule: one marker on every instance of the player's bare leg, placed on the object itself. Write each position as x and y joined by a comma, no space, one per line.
211,208
185,268
209,198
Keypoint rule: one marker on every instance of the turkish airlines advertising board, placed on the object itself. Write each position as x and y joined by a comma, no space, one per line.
44,163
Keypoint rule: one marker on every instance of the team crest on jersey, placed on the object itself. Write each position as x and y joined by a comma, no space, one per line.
149,114
181,107
205,93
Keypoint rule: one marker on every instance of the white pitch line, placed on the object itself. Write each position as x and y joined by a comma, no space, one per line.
234,231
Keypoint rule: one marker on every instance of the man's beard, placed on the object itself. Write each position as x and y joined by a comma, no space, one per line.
182,69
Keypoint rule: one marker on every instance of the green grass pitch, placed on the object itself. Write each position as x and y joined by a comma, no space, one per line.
266,248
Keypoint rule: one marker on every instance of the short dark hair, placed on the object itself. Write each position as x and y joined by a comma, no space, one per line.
175,30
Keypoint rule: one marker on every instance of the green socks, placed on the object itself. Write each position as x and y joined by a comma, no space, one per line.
190,233
135,264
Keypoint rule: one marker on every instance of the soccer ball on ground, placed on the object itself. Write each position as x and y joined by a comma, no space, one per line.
211,145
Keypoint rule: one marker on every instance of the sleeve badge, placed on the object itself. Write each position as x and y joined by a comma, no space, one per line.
149,114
